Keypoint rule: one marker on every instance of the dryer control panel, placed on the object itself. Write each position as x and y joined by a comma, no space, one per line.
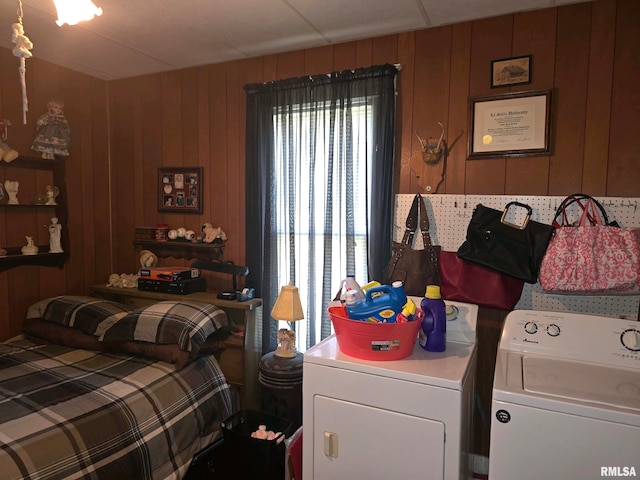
588,338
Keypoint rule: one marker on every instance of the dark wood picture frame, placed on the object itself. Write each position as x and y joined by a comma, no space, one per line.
506,72
180,189
510,125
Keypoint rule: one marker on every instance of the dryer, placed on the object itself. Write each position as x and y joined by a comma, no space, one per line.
566,398
408,419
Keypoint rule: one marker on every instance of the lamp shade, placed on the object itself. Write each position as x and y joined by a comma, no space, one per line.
288,307
74,11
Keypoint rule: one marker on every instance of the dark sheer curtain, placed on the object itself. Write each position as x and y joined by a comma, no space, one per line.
304,137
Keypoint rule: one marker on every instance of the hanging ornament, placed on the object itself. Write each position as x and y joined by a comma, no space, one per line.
22,50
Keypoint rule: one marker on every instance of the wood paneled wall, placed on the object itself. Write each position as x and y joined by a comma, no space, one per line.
122,131
87,180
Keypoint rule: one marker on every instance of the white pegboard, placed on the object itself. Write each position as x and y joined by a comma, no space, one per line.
449,216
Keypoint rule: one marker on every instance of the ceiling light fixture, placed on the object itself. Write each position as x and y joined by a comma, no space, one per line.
74,11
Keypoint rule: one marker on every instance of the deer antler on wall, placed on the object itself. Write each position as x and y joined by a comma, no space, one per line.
432,152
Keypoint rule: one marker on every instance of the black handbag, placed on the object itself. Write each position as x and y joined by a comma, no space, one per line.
414,268
515,250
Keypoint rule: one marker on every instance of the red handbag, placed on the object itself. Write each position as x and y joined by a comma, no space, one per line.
472,283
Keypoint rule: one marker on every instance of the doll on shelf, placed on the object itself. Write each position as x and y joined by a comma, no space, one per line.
52,132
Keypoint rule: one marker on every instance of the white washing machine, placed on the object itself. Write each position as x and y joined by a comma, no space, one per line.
566,398
408,419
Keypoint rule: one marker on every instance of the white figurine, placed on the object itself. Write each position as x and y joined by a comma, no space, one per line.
55,230
51,192
11,186
30,248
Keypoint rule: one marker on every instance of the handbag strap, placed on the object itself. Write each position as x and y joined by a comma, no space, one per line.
424,225
411,225
588,205
590,215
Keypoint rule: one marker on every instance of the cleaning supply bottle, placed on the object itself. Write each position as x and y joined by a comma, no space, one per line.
380,305
349,284
432,334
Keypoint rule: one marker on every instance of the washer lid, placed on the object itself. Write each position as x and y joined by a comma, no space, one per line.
585,382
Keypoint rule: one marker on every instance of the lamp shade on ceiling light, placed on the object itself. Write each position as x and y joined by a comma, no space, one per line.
74,11
288,307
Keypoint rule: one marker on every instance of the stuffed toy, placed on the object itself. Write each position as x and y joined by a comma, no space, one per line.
7,153
212,233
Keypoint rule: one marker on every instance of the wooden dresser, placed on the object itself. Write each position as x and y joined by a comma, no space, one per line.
239,362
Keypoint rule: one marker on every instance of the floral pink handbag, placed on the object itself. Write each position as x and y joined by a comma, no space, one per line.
594,257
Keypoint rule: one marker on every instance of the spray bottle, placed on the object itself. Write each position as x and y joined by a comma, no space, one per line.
432,334
348,284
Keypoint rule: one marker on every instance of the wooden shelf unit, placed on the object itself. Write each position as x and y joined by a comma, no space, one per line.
14,257
176,249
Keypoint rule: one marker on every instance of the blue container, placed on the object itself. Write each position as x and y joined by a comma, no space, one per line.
380,305
432,334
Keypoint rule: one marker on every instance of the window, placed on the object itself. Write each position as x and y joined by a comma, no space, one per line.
307,174
319,159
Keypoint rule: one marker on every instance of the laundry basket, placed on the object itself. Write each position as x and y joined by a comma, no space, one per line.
373,341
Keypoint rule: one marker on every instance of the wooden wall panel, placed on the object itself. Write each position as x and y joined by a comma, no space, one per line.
85,109
596,146
533,34
490,40
623,176
571,75
430,100
123,130
404,178
130,127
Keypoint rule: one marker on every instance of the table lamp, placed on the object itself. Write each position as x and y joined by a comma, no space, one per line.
287,309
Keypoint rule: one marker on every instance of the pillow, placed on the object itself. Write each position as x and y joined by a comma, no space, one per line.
183,323
38,329
92,316
167,353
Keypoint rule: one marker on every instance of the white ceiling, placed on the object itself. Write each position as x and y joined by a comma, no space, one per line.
137,37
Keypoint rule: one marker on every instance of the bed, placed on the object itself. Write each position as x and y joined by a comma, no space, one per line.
94,389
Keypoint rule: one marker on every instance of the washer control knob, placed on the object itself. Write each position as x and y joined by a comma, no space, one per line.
553,330
531,327
630,339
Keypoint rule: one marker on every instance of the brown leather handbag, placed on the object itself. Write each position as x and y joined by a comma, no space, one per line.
414,268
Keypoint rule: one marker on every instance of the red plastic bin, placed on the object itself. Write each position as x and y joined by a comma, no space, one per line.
373,341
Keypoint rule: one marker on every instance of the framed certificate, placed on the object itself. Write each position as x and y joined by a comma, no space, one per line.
510,125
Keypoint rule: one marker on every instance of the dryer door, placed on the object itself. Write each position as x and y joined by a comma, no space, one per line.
358,441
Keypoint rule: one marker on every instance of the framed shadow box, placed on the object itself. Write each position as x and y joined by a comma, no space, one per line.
180,189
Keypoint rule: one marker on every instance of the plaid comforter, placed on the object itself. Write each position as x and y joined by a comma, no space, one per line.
68,413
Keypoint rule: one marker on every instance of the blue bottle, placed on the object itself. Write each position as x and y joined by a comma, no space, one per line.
380,305
432,334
